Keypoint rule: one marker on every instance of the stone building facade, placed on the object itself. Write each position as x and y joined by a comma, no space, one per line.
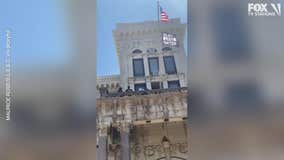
141,113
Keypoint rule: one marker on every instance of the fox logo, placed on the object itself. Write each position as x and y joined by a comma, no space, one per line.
276,8
264,9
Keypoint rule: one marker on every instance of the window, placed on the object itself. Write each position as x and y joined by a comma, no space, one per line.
137,51
115,135
155,85
173,84
170,65
140,87
165,49
138,68
153,66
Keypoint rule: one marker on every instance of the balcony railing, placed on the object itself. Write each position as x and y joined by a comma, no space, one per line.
105,94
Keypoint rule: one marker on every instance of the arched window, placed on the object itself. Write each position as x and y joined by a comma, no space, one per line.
165,49
137,51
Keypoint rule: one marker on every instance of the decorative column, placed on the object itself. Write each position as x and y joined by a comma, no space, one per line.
130,73
161,65
182,80
102,144
147,73
148,83
165,82
125,145
162,71
146,66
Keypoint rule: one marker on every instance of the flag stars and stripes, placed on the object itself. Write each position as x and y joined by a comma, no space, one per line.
164,16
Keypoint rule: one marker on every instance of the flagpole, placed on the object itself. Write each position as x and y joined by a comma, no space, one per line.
158,10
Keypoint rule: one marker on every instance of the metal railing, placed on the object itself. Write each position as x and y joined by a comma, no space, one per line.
104,92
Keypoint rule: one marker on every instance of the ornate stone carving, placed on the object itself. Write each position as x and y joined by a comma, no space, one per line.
155,151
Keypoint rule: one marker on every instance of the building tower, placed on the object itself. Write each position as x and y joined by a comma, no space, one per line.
140,111
151,54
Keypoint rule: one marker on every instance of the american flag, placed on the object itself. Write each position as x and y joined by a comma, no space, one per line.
164,16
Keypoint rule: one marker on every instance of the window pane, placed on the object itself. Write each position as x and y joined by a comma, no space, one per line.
166,49
138,67
140,87
153,66
155,85
173,84
170,65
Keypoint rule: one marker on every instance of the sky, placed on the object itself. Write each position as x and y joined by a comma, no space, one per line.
41,33
110,12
